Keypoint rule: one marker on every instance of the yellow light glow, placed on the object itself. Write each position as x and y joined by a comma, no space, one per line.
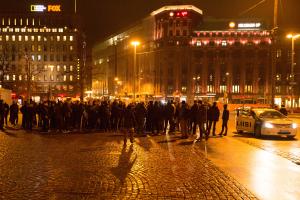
294,36
135,43
231,24
116,79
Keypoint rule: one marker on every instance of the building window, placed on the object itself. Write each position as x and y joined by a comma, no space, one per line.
248,89
39,48
57,68
58,38
65,68
51,77
32,38
13,38
71,48
39,38
45,77
71,77
71,68
224,43
71,38
19,38
39,57
65,38
20,77
26,38
223,88
235,89
171,33
14,77
210,89
278,89
65,77
6,38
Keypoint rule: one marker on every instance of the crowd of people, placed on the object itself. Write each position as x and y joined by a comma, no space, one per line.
152,117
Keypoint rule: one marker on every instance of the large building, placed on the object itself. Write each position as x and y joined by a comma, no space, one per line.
41,52
184,54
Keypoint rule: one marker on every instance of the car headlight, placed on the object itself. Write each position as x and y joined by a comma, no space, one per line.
294,125
268,125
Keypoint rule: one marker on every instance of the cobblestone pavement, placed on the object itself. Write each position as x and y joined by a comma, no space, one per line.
99,166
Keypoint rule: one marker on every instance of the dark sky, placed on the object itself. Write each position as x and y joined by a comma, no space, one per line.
104,17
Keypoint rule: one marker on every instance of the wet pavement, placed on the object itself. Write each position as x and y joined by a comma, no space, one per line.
99,166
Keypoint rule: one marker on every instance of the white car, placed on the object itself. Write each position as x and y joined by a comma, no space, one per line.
265,121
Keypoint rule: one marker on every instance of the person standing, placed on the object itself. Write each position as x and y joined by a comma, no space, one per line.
183,119
129,123
213,115
6,112
283,110
225,118
13,113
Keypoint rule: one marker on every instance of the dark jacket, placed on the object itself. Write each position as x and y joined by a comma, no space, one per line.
213,113
225,115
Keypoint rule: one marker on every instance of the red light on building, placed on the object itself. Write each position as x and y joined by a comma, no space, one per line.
182,14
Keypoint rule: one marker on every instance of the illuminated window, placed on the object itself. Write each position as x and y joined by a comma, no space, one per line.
17,30
11,30
14,77
32,48
58,38
39,57
210,89
45,67
71,38
39,47
32,78
32,57
51,68
41,30
4,30
224,43
65,78
39,38
45,39
58,68
65,68
235,89
23,30
9,21
20,77
13,38
223,88
6,38
32,38
71,77
60,30
71,68
15,21
57,78
20,38
21,21
36,30
65,38
26,21
3,23
33,22
26,38
54,30
248,89
7,77
71,48
51,77
29,30
0,37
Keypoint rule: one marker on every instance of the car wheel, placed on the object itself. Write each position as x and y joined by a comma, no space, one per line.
239,131
257,132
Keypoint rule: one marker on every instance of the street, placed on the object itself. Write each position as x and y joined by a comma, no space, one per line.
99,166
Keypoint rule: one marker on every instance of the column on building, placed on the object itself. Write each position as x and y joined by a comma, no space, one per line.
217,65
204,73
242,70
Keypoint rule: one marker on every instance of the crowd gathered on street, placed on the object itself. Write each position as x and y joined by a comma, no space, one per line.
139,118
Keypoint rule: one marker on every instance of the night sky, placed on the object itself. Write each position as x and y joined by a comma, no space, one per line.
102,18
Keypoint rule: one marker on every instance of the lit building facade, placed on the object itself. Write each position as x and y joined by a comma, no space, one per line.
182,54
42,44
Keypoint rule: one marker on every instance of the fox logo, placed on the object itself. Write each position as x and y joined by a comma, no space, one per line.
54,8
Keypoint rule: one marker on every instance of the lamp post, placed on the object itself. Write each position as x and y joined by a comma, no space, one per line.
227,87
134,44
293,37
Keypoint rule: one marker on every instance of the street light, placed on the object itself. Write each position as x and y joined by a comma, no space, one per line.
134,44
293,37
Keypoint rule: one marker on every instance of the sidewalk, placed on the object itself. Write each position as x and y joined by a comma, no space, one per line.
266,175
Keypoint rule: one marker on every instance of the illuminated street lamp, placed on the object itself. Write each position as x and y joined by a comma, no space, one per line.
293,37
134,44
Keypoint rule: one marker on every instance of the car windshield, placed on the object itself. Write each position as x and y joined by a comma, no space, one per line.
270,114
